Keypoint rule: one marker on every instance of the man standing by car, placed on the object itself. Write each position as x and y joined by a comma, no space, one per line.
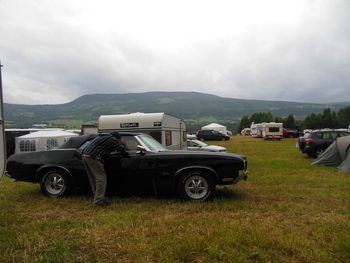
93,156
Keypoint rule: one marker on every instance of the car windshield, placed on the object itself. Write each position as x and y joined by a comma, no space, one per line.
151,143
200,143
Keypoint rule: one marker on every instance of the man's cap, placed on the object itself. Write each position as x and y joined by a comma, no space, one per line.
116,134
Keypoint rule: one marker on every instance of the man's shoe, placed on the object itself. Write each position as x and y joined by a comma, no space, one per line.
103,203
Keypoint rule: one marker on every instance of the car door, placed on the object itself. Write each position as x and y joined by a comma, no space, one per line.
131,171
216,135
2,134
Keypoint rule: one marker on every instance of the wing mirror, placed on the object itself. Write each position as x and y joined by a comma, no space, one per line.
141,149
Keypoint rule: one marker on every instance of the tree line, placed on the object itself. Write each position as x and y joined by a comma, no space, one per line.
326,119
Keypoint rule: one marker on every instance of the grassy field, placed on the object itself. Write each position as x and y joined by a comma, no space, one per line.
287,211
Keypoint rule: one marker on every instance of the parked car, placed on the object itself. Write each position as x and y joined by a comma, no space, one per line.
290,133
314,143
211,135
146,164
196,145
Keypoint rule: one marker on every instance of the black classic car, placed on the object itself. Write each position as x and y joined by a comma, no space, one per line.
193,175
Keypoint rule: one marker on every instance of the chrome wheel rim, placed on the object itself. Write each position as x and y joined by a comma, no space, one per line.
54,184
196,187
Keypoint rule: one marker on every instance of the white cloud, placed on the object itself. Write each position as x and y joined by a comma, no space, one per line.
55,51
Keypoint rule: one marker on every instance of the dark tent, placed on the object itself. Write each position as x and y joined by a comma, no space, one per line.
337,154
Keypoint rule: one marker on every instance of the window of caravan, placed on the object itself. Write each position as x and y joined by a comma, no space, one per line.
274,129
27,146
168,138
51,143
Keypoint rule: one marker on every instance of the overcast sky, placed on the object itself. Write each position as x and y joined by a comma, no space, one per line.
54,51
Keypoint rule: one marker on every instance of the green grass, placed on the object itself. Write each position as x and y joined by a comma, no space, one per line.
287,211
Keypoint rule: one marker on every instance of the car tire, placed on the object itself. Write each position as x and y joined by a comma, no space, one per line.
311,155
196,185
318,152
55,183
201,139
223,139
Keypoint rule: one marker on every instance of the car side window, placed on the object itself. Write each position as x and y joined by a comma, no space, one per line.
130,142
317,135
80,149
333,135
190,144
325,136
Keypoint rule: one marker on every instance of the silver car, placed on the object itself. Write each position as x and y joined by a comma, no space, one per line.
196,145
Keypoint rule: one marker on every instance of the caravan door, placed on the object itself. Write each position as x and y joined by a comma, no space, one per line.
2,136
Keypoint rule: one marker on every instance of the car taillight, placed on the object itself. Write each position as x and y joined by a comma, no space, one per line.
308,140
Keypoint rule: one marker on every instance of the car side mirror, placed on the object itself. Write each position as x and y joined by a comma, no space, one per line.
140,149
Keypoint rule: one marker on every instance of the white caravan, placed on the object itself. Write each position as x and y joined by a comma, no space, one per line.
2,137
256,130
42,140
166,129
272,130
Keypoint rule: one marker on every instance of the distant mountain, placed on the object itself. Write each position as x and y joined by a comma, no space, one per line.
195,108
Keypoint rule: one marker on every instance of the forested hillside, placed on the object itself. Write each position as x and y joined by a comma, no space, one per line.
195,108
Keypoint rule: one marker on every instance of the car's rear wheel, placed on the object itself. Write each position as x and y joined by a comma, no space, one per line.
55,183
318,152
223,139
202,139
196,185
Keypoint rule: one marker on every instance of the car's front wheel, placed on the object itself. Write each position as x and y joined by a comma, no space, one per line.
196,185
55,183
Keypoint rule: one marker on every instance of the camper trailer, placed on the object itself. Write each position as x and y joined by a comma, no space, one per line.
42,140
256,130
166,129
272,130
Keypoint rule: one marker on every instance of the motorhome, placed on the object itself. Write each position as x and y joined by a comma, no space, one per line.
166,129
256,130
272,130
